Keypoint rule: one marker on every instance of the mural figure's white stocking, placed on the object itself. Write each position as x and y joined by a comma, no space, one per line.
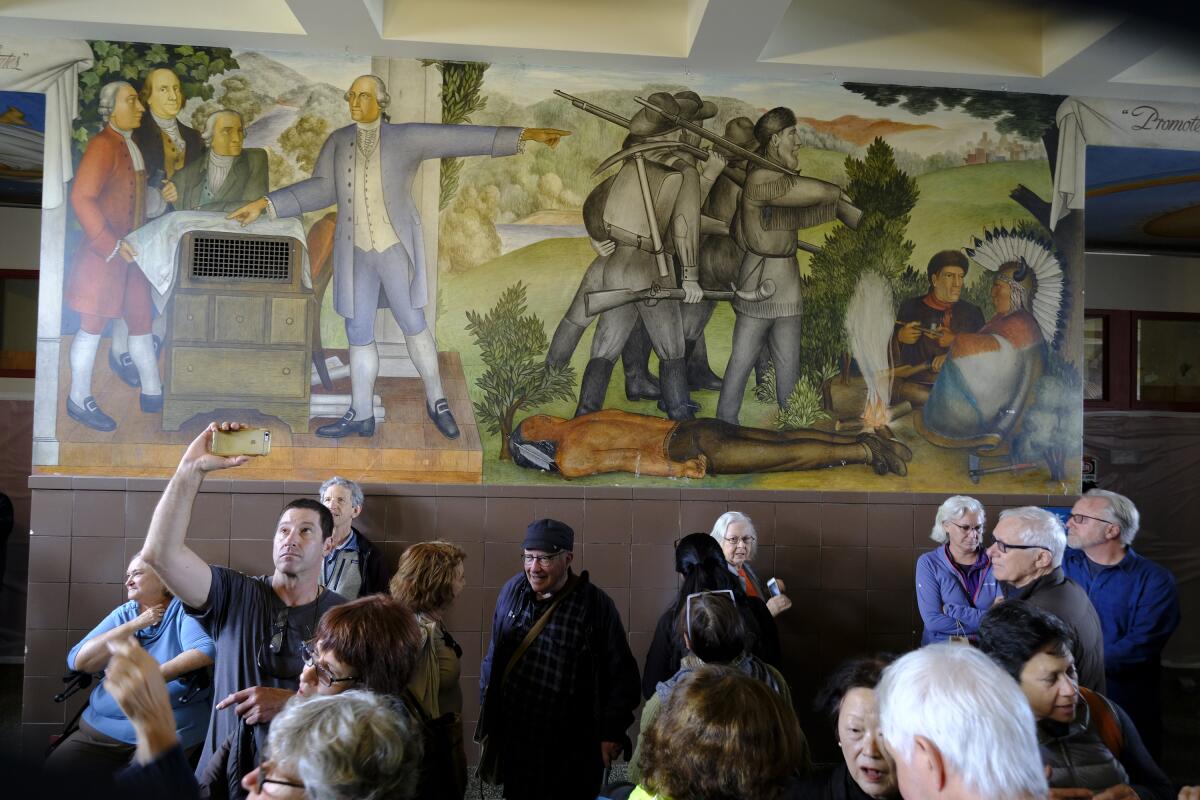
364,369
423,351
120,336
141,350
83,358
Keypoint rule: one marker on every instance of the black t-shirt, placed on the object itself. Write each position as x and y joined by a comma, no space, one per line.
245,618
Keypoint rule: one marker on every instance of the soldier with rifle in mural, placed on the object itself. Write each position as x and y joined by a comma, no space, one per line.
776,203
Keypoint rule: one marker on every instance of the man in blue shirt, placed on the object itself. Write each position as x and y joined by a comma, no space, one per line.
1135,598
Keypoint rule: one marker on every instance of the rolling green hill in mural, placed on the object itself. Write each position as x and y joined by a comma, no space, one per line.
955,205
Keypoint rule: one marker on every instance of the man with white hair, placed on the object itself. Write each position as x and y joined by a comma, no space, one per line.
1135,598
229,176
1027,553
959,727
367,169
110,198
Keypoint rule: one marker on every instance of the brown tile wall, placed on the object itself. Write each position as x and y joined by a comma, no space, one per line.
847,560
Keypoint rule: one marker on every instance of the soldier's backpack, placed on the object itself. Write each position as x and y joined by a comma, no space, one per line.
625,218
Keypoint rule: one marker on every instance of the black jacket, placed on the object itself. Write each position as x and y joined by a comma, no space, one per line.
376,572
1063,598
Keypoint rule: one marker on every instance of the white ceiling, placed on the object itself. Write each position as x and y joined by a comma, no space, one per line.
986,44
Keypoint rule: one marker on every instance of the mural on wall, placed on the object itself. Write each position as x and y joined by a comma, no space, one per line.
22,142
736,283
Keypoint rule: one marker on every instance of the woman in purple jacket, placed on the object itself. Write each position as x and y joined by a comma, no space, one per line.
955,587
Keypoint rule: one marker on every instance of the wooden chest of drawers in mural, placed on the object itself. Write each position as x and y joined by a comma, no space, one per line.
240,329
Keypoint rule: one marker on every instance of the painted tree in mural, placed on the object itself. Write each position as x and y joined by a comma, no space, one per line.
886,196
462,96
513,346
130,61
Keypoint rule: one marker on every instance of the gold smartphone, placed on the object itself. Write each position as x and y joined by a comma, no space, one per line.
246,442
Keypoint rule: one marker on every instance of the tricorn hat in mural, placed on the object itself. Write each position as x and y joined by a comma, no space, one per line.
739,131
693,107
649,122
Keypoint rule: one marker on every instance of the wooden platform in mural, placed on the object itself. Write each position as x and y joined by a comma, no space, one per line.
406,447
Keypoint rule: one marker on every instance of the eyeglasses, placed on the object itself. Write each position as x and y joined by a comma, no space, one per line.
967,528
542,560
1004,547
687,621
736,540
276,661
325,676
1079,518
261,779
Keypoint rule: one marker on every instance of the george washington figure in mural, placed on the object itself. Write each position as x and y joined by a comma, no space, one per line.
366,169
110,198
618,441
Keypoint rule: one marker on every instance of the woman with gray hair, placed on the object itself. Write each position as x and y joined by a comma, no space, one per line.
350,746
734,531
955,585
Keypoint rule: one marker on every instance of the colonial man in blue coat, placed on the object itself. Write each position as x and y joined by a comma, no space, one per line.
367,170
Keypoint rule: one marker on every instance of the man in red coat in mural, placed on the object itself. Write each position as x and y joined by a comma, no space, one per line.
110,198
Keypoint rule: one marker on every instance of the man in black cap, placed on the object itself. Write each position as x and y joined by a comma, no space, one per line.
926,326
556,701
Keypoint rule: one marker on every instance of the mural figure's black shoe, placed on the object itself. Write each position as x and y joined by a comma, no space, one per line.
347,426
123,366
150,403
439,412
90,414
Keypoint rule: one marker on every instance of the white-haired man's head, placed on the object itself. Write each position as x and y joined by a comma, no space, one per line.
119,104
1028,543
959,727
1100,516
224,132
734,531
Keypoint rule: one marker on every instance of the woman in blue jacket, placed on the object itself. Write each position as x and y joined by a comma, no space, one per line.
955,587
105,740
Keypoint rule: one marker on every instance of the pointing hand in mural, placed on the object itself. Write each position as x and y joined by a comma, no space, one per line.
547,136
249,212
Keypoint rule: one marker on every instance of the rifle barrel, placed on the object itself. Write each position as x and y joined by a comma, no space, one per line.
602,113
717,139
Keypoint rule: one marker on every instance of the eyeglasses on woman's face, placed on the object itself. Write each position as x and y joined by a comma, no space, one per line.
261,778
325,675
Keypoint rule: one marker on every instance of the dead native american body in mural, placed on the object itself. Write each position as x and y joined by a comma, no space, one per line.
378,247
618,441
987,378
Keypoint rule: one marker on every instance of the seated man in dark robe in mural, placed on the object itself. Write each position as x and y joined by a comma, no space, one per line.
983,385
927,326
618,441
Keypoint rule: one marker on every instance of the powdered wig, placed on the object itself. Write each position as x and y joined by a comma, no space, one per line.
376,637
721,527
210,128
108,97
424,580
953,509
972,711
1015,631
1039,527
1124,512
356,492
352,745
722,734
381,94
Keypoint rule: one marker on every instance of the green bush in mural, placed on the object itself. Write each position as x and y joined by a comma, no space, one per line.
130,61
513,345
886,196
1052,427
